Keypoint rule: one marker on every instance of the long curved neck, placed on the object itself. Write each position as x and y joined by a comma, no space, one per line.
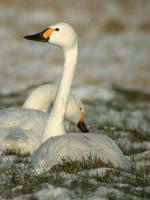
41,98
55,121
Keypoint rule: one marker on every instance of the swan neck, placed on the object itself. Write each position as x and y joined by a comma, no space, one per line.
41,98
55,122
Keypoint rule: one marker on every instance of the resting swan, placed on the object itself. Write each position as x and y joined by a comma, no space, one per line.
43,96
22,128
72,145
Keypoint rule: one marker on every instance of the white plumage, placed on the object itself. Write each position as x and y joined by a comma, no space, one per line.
56,145
22,128
43,97
76,146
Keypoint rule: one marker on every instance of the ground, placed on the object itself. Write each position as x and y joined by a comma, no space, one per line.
121,118
112,79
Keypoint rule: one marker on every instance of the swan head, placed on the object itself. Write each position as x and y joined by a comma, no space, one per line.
61,34
75,113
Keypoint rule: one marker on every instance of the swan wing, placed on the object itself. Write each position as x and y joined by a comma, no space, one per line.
21,129
76,146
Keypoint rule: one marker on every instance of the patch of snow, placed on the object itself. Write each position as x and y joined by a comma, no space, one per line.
147,189
143,155
142,165
52,193
98,92
104,192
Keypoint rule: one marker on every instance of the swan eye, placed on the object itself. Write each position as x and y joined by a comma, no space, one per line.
56,29
80,108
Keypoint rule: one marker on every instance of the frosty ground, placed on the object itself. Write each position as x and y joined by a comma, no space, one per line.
112,79
121,117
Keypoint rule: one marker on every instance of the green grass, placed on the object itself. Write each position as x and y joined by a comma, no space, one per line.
11,151
73,167
21,181
132,95
16,179
19,175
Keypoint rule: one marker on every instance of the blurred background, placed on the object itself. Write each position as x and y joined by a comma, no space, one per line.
114,44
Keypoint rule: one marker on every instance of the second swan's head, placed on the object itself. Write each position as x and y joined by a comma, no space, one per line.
61,34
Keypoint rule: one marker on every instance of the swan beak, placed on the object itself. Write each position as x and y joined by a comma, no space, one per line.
81,124
42,36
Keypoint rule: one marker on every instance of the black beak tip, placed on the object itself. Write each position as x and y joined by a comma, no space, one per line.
27,37
82,126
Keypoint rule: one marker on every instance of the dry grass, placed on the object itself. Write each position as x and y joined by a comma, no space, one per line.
114,26
145,26
70,166
18,180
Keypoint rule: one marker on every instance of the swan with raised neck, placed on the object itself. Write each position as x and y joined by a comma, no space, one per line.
64,36
72,145
55,123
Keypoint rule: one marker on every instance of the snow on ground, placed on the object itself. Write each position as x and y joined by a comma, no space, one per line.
114,118
112,79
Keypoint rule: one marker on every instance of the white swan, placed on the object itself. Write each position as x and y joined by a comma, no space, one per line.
43,96
22,128
69,145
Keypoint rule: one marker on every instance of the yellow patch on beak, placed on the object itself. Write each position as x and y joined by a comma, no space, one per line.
48,33
82,116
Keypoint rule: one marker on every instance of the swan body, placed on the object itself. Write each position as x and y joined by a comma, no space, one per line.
76,146
73,145
23,128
